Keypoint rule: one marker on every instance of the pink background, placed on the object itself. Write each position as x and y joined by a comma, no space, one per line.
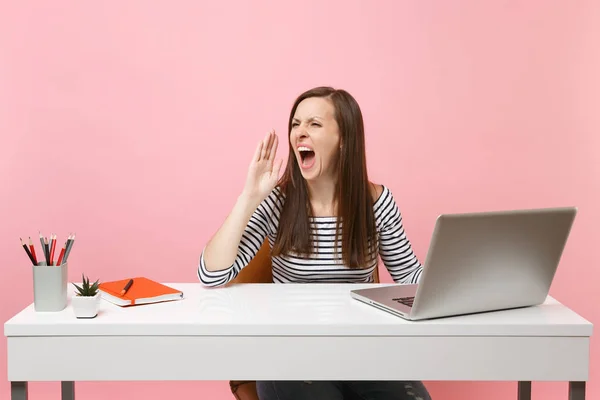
132,123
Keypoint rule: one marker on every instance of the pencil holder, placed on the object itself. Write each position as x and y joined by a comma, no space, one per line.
50,287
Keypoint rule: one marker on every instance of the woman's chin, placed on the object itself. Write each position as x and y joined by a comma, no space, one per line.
307,175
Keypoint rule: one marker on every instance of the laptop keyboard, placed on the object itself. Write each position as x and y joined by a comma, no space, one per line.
407,301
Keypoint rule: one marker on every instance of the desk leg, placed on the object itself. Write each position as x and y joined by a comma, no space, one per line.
67,389
576,390
18,390
524,390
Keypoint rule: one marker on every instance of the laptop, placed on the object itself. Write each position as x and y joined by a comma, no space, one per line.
481,262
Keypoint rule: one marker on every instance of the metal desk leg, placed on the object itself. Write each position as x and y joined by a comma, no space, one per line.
576,390
18,390
524,390
67,389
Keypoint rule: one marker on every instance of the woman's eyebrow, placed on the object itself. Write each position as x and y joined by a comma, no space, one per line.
309,119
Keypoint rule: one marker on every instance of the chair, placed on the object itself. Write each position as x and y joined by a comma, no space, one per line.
259,270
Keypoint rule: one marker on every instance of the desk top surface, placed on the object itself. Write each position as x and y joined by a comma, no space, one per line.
287,310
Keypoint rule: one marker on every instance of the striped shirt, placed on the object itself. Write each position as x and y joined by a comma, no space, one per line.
324,265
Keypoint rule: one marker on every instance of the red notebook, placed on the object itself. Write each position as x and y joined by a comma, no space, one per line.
142,291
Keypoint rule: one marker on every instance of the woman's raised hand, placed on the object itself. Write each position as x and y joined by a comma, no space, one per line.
263,172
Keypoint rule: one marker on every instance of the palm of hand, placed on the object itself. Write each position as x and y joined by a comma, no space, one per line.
263,173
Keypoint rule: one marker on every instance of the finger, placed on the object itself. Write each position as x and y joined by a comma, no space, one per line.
277,167
273,149
257,152
269,144
265,143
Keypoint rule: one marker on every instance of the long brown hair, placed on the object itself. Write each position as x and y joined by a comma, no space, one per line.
353,195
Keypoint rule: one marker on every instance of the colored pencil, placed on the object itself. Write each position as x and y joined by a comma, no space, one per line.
52,247
32,250
70,243
60,256
43,247
27,251
47,250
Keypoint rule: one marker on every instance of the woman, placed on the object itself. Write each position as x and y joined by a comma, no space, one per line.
325,182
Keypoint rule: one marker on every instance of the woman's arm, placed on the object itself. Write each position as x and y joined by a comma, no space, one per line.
233,246
221,250
395,249
237,241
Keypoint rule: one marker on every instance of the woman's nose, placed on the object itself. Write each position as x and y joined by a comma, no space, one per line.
301,131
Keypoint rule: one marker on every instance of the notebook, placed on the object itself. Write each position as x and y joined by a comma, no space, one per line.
142,291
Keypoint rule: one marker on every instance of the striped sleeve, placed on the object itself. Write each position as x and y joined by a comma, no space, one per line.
395,249
260,225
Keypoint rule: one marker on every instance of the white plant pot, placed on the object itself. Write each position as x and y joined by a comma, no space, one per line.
86,306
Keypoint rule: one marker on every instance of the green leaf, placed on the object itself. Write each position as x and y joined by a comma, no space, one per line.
94,289
86,289
79,289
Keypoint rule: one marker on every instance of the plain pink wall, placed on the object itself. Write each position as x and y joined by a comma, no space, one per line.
132,123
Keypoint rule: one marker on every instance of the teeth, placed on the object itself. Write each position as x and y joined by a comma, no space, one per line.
302,148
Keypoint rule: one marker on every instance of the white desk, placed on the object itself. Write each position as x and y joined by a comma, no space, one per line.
252,332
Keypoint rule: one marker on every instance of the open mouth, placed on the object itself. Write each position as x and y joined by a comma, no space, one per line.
307,157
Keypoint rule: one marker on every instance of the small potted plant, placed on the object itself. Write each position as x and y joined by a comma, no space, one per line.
87,299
